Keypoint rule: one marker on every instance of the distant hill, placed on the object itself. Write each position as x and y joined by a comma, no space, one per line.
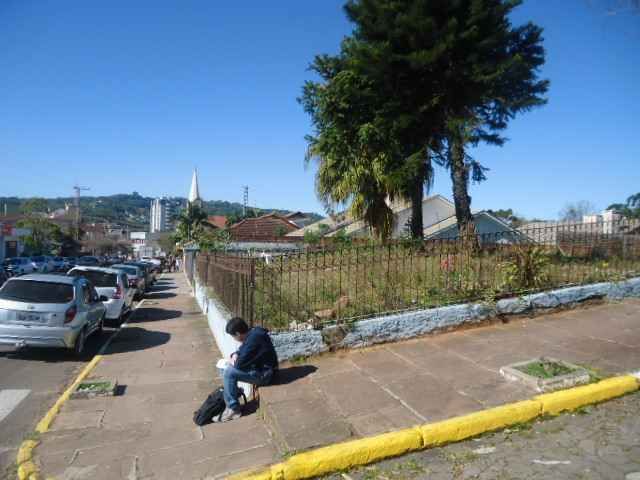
128,209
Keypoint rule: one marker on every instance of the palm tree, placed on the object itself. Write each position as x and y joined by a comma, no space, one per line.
189,221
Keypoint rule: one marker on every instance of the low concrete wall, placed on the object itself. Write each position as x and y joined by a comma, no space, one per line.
405,325
217,317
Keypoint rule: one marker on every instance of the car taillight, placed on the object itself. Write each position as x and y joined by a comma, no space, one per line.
117,295
70,315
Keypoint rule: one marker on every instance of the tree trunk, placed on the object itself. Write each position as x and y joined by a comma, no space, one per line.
460,180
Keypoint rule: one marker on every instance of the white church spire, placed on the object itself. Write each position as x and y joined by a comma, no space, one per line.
194,193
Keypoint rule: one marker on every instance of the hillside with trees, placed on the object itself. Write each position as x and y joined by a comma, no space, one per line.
125,209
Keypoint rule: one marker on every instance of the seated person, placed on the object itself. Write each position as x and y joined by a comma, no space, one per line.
255,362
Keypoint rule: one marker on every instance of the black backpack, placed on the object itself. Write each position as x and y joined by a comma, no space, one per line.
212,407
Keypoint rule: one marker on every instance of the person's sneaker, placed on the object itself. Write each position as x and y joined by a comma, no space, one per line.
227,416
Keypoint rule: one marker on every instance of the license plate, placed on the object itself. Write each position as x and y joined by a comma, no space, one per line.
30,317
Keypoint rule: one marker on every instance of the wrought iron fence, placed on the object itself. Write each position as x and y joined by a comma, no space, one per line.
306,289
232,278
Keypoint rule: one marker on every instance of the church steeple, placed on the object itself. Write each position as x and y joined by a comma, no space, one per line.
194,193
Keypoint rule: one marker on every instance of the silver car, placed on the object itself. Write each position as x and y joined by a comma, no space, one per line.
49,311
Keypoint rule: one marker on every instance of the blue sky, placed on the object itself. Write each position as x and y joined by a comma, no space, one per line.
123,96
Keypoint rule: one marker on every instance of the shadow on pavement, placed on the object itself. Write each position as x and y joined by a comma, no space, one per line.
150,314
133,339
291,374
159,295
160,288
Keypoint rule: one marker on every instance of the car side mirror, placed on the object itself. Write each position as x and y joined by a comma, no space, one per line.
103,298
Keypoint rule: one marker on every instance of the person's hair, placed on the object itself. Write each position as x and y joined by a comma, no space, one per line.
236,325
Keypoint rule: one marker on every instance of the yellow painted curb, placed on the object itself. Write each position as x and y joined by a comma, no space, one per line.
466,426
356,452
556,402
28,471
44,424
350,454
24,453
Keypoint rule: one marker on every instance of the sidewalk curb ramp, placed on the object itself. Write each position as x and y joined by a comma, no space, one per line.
346,455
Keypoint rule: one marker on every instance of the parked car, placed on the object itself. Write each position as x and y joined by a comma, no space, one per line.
43,263
148,274
18,266
152,269
69,262
40,310
88,261
135,276
113,285
58,264
157,264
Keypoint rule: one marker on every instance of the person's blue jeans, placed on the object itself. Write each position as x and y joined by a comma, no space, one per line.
233,375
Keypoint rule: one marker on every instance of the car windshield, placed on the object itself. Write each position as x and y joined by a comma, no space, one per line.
128,270
37,259
98,279
36,292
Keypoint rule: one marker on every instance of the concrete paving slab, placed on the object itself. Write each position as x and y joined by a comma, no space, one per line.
77,419
353,393
383,364
384,420
433,399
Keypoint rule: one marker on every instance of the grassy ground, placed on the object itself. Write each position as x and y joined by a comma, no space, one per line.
364,281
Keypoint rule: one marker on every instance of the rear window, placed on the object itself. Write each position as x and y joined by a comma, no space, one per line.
36,292
98,279
128,270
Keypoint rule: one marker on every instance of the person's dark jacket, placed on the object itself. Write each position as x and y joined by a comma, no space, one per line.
257,352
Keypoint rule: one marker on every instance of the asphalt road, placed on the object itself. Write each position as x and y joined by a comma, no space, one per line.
30,382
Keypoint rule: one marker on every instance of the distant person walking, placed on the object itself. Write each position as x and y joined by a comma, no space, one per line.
177,264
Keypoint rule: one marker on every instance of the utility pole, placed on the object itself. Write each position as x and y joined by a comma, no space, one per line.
245,200
78,188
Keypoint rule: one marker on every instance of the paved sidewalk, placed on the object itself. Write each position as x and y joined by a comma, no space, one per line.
165,360
359,393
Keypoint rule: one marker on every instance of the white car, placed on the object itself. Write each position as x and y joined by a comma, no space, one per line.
43,263
112,284
19,266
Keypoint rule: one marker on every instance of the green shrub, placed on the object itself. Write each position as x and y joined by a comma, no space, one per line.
527,269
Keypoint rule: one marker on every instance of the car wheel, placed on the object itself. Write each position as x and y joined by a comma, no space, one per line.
78,348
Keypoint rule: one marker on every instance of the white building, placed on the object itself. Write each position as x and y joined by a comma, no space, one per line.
160,218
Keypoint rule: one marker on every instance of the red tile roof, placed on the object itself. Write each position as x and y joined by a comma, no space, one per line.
266,228
219,221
